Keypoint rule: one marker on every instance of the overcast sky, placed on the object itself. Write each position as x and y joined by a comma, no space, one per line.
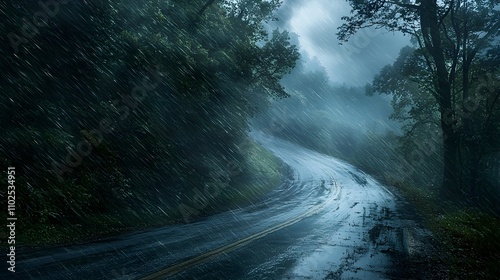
354,62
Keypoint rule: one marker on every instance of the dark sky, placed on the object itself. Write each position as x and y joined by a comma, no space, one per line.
353,63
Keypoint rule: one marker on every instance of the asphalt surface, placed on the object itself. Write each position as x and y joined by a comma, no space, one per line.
328,221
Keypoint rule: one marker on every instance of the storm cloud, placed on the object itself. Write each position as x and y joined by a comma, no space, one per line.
353,63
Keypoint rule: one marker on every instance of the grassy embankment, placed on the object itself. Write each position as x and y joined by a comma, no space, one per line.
468,239
263,172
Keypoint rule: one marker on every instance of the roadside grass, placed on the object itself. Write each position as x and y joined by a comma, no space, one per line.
267,173
92,228
468,238
264,173
473,240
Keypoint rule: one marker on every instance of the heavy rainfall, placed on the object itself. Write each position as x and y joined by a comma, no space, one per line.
250,139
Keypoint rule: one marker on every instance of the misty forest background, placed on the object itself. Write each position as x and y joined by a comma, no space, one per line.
210,71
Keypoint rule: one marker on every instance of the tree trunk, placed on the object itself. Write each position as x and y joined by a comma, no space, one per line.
450,187
429,23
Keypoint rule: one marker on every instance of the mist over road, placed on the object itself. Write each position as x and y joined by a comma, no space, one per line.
328,220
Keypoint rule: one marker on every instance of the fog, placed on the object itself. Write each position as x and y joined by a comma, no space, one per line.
354,62
241,139
327,87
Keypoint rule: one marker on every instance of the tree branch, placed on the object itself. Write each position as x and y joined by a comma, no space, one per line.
202,10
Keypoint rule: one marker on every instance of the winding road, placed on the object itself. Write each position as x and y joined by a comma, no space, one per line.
327,221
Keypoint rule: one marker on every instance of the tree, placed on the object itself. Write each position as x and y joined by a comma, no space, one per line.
215,61
451,37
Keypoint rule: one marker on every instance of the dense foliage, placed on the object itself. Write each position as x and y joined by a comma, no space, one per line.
447,84
112,104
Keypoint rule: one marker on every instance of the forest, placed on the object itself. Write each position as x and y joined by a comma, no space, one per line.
121,115
116,109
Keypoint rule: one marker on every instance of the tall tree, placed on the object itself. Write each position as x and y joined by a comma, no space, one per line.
82,69
450,35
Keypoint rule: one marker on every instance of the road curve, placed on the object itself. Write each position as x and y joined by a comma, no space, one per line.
329,221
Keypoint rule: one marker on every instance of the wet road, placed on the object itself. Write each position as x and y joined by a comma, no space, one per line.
329,221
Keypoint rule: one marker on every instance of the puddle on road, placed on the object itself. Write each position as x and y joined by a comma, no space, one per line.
360,246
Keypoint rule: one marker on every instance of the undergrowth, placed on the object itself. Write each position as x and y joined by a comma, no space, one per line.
468,238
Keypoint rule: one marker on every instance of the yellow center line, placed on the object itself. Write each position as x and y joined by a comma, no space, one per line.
176,268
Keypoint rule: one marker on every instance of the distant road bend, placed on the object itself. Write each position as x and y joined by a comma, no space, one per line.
330,221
